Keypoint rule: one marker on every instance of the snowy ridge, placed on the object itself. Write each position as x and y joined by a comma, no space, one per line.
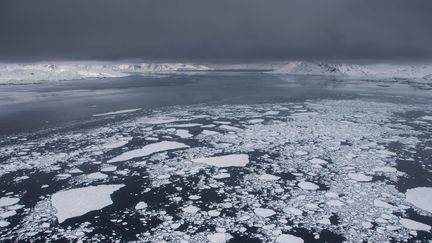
38,72
371,71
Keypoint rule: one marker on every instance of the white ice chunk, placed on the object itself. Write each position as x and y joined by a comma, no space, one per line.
183,133
359,177
420,197
308,185
317,161
209,132
287,238
97,176
294,211
79,201
148,149
140,206
232,160
414,225
190,209
6,201
268,177
109,169
219,237
264,212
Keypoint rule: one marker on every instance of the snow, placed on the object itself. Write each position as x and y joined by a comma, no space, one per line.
7,201
264,212
419,72
79,201
420,197
359,177
41,72
308,185
232,160
427,118
117,112
148,149
287,238
414,225
222,176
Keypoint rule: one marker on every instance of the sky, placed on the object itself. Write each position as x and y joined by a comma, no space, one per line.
249,30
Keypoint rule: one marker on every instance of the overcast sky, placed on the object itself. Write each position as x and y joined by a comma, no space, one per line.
215,29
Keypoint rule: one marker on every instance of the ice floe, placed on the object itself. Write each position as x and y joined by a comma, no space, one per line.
79,201
232,160
420,197
147,150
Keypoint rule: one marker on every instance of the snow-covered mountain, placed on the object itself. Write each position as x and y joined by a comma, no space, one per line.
39,72
370,71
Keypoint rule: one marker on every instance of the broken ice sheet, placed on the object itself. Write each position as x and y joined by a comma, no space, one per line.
289,177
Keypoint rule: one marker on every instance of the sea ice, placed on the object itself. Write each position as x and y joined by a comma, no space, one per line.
264,212
414,225
308,185
420,197
268,177
6,201
286,238
232,160
79,201
148,149
359,177
219,237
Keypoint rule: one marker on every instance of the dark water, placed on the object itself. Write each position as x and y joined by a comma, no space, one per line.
24,108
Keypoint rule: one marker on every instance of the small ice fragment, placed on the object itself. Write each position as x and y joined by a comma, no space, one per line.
183,133
6,201
359,177
109,169
294,211
232,160
317,161
335,203
97,176
213,213
3,223
414,225
264,212
219,237
305,185
140,206
191,209
268,177
287,238
209,132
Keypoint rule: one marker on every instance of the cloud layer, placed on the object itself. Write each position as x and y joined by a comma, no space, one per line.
213,30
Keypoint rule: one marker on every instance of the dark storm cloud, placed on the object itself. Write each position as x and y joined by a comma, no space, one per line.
216,29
